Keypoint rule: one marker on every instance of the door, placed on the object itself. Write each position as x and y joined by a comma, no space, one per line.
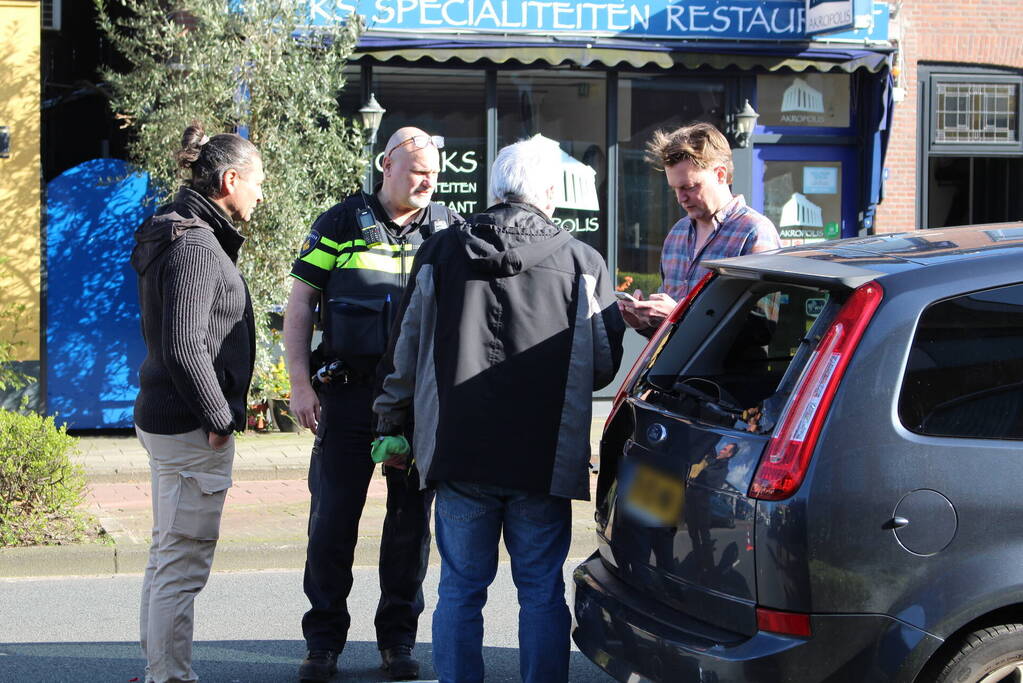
809,192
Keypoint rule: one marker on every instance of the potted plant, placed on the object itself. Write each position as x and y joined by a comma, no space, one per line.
278,390
256,415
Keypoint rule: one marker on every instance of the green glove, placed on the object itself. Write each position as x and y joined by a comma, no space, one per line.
384,447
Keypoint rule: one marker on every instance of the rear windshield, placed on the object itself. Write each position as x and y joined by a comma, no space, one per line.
735,356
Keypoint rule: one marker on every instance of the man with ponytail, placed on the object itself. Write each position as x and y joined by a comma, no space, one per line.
198,328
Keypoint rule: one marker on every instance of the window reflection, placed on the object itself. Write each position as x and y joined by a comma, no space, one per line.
453,106
568,107
647,207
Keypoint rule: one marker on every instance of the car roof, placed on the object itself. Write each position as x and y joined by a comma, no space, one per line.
854,261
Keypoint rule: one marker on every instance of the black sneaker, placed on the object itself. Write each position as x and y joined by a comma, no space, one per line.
319,665
398,663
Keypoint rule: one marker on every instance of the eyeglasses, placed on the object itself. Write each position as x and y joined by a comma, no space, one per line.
420,141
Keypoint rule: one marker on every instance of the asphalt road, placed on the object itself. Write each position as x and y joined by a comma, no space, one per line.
247,630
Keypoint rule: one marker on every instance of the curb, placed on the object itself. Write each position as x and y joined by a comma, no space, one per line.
130,558
244,473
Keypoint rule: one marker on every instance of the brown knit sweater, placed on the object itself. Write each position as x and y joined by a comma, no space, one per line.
197,320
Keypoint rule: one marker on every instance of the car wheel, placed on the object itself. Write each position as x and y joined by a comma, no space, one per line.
988,655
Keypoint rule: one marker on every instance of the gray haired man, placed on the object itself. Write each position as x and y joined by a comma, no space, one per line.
507,327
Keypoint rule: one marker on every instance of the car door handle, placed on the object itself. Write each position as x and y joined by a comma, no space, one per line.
896,523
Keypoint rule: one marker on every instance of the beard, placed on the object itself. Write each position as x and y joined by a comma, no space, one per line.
420,200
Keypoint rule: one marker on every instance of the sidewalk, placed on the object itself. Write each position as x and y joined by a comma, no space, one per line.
265,517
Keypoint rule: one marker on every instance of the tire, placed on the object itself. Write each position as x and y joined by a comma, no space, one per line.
988,655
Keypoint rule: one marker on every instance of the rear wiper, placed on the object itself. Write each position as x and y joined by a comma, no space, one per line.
715,404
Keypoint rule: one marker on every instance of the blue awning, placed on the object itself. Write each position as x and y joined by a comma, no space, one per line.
621,53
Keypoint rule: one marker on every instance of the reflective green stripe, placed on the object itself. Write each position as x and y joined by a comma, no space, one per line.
329,243
350,244
319,258
307,282
379,248
367,260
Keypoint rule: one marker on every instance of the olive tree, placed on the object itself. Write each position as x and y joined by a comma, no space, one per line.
256,68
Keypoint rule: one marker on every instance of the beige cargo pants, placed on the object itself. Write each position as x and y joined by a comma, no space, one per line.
190,481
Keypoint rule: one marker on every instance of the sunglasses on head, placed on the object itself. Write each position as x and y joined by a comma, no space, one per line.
420,142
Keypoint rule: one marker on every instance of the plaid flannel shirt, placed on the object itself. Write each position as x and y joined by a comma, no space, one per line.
738,229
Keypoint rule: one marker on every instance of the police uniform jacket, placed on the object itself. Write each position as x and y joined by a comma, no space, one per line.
362,272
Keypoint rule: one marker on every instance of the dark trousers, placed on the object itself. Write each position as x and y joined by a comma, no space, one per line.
339,475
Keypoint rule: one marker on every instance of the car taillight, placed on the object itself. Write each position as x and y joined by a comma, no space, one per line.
655,340
787,456
788,623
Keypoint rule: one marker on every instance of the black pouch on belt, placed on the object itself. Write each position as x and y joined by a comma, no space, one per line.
357,324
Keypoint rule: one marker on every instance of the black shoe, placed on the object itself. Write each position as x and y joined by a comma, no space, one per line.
398,663
319,665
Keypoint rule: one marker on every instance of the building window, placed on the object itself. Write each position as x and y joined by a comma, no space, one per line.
569,107
446,102
647,207
971,161
976,112
51,15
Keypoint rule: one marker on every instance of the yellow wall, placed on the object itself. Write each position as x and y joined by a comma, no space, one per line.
20,175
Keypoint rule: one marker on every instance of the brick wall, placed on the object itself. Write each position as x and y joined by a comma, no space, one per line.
981,32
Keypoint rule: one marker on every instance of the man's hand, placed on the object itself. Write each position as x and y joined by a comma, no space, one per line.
628,310
305,404
644,314
398,462
298,332
392,451
217,441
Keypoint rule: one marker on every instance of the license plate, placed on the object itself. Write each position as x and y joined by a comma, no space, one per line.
653,497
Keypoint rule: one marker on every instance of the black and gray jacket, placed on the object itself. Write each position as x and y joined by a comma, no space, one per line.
508,326
196,320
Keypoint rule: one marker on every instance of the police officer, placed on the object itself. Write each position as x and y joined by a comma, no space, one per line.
355,265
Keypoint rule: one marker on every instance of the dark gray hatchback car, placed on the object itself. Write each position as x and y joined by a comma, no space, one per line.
815,472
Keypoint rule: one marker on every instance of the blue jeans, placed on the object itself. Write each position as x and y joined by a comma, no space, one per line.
537,533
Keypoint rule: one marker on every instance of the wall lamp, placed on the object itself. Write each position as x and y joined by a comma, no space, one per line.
5,142
372,113
745,122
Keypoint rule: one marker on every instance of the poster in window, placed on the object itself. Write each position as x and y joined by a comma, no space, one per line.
803,100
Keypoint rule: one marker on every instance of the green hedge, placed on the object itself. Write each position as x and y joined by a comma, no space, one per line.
40,487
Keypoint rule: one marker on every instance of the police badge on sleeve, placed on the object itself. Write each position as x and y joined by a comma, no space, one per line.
310,243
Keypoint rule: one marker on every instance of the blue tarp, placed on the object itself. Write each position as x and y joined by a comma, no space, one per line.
93,341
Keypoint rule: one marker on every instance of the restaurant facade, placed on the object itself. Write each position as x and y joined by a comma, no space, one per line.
601,77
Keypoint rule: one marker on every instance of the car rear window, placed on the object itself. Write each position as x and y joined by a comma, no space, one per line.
964,375
735,356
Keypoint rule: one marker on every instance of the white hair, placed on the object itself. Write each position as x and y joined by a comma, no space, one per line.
525,170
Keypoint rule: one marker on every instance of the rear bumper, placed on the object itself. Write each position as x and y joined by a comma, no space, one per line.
615,629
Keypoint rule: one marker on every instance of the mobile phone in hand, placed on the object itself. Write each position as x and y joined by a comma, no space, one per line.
625,296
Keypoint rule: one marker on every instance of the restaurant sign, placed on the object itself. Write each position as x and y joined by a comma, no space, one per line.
729,20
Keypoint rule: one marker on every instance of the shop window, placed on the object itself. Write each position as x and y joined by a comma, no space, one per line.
442,102
966,190
568,107
647,207
972,159
803,100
